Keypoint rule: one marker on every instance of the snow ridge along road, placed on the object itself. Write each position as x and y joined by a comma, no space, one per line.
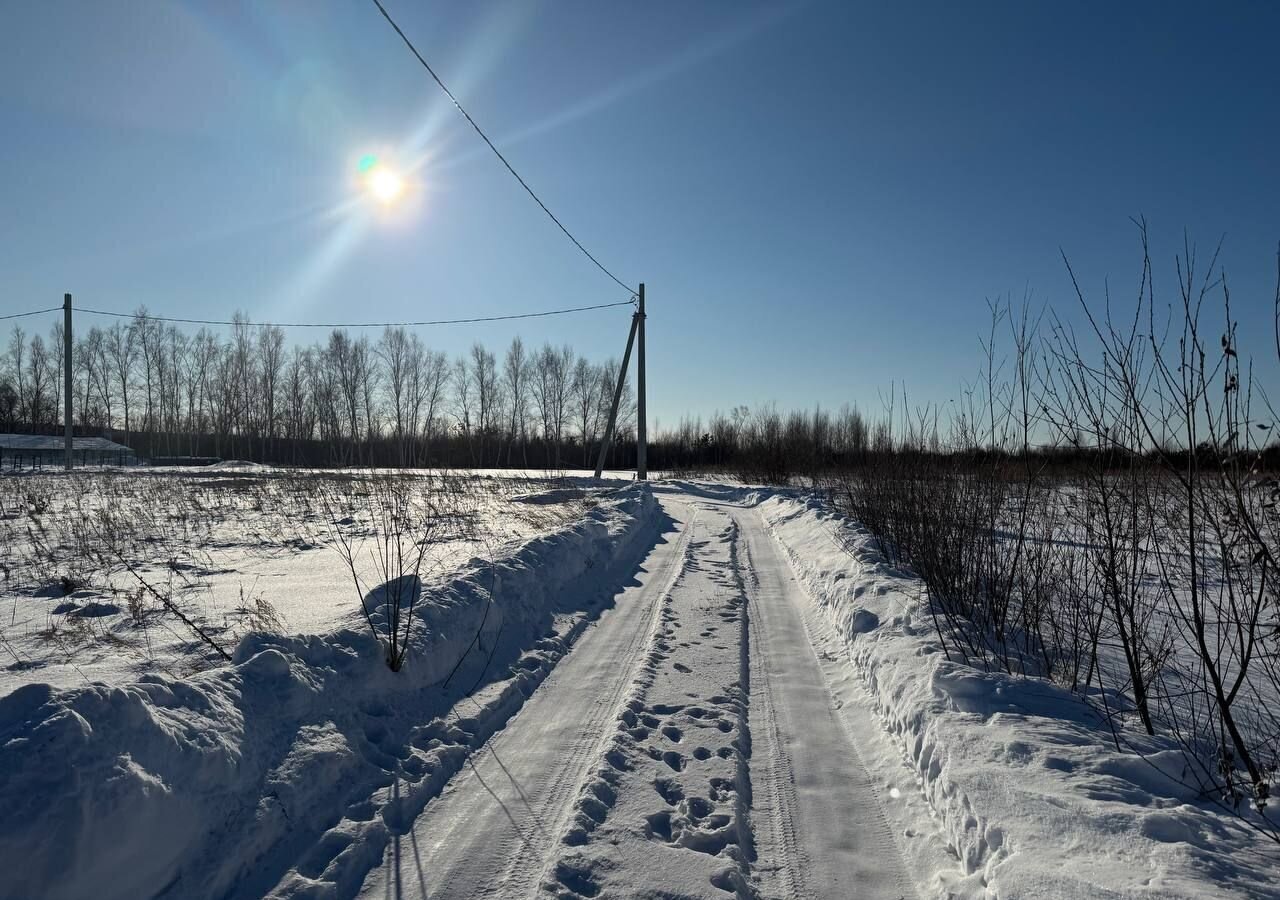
489,833
289,772
688,746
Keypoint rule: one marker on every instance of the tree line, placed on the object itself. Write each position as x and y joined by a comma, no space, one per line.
346,400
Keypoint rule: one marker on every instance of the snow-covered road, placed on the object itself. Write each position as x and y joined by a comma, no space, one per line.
688,746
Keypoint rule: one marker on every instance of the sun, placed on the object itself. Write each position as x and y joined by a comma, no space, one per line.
384,183
386,186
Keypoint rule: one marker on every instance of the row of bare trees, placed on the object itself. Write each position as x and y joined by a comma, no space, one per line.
765,445
248,393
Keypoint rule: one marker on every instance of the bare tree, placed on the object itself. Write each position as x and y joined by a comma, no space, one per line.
487,391
17,357
515,376
551,382
395,350
435,382
585,389
121,352
270,366
464,404
41,381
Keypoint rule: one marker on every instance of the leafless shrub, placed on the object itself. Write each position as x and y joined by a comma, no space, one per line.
258,613
384,526
136,604
1142,574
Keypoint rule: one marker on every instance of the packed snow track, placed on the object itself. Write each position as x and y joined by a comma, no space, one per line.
687,746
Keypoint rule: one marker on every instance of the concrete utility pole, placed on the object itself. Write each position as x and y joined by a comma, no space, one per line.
642,430
66,375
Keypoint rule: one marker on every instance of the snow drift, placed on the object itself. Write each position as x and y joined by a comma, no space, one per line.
213,786
1028,790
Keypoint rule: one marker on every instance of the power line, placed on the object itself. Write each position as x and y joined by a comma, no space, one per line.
408,43
533,315
34,312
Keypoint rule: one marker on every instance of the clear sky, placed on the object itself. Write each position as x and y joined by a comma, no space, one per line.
820,196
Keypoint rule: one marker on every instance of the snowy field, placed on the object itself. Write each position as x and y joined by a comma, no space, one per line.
613,690
86,558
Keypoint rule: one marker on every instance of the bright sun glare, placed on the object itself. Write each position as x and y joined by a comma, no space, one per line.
386,185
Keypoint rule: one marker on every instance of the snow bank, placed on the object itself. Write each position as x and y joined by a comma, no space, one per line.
1025,784
211,786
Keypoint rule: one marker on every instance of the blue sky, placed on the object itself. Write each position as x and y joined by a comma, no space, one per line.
820,197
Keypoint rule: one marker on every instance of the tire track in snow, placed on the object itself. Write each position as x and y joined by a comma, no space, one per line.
832,834
779,842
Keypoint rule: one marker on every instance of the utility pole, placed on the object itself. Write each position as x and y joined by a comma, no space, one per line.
642,431
642,439
66,375
617,396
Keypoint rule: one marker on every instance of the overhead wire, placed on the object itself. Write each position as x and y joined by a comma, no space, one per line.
34,312
448,93
434,322
429,322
